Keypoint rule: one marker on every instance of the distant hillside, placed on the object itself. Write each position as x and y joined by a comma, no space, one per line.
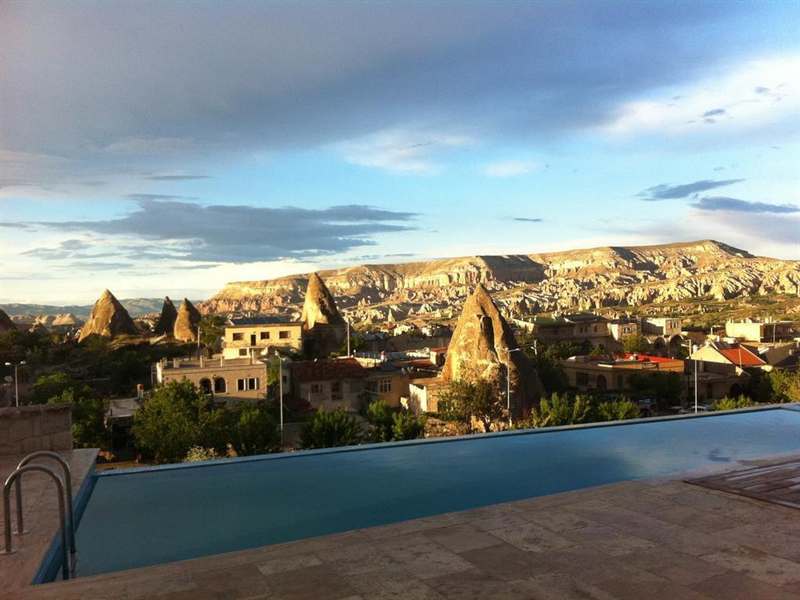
529,283
134,306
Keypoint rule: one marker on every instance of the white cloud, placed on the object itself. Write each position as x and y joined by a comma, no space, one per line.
510,168
401,151
758,93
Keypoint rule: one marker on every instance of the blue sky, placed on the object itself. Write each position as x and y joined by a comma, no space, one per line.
167,148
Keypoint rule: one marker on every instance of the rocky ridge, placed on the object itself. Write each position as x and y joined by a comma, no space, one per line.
529,283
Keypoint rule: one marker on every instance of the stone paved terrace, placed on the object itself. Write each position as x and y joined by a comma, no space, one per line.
633,540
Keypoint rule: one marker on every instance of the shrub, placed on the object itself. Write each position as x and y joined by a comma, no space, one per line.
198,454
407,426
380,416
619,410
253,430
330,429
726,403
560,409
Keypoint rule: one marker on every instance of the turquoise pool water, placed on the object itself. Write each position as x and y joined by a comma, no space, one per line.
148,516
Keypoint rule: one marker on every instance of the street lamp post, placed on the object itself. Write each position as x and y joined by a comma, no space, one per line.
16,379
280,393
692,349
508,381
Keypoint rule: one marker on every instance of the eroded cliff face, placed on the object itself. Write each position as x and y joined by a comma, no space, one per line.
6,324
108,319
481,349
166,321
566,281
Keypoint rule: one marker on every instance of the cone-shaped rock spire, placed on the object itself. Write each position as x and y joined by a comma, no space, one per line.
480,348
323,326
6,324
166,322
108,319
186,322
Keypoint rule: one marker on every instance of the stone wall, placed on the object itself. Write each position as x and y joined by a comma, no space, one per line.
30,428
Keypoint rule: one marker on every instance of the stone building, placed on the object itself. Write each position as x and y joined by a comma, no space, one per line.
259,335
224,379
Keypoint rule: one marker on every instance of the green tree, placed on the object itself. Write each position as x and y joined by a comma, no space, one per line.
175,418
52,385
635,343
619,410
254,430
726,403
560,409
477,399
407,426
665,387
330,429
380,416
88,416
199,454
550,372
782,386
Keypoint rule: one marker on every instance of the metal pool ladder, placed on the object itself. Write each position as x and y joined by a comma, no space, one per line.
68,559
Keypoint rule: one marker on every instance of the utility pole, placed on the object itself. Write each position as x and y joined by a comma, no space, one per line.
348,336
280,392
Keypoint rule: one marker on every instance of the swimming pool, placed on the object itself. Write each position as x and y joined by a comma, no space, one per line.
140,517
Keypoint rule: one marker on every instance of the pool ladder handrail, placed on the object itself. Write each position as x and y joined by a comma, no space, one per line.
68,493
18,472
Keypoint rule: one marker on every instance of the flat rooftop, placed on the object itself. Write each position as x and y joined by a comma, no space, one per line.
657,539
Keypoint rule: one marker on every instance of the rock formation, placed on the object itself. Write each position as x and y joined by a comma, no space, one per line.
6,324
480,348
186,322
558,281
65,320
108,319
323,326
166,322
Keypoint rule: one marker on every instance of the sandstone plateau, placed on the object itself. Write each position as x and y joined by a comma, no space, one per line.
529,283
108,319
479,349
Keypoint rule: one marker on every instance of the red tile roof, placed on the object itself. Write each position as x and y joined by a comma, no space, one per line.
741,356
327,370
647,358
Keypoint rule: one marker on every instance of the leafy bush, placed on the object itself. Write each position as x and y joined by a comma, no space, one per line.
407,426
198,454
330,429
619,410
478,399
726,403
635,343
253,430
560,409
380,416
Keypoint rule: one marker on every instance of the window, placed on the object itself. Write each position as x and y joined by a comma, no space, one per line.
284,335
242,351
620,382
264,335
219,385
385,385
244,385
238,337
316,388
336,390
581,379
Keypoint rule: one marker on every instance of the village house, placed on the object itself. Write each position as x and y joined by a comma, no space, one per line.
247,336
613,374
623,328
761,331
573,328
665,327
223,379
328,384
